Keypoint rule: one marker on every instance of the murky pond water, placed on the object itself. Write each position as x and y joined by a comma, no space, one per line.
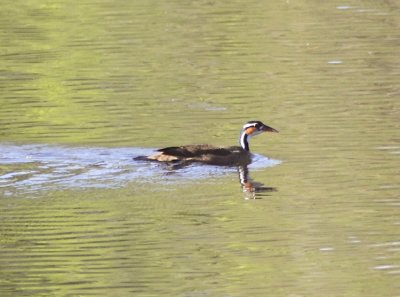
85,88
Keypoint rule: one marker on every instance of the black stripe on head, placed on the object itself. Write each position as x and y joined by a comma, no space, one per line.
256,124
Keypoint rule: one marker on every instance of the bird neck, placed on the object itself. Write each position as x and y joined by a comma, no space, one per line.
244,141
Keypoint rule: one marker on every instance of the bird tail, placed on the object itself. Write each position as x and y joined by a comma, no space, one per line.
141,158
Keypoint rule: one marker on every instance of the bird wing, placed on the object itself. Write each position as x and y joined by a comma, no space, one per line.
179,151
189,151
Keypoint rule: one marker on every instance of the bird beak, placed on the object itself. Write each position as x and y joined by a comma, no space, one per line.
266,128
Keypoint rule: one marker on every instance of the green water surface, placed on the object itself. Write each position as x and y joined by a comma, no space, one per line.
151,74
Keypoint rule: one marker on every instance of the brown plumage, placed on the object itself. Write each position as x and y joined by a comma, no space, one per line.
203,153
212,155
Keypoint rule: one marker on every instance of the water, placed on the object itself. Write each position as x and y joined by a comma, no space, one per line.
34,168
86,87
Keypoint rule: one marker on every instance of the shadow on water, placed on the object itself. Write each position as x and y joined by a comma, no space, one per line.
44,167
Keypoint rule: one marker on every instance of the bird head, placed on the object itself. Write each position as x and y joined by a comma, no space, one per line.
253,128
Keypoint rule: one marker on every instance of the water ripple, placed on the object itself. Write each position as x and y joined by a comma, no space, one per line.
35,167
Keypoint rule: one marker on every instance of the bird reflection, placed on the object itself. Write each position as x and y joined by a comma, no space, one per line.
252,189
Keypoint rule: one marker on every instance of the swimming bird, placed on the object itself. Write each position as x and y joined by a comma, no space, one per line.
212,155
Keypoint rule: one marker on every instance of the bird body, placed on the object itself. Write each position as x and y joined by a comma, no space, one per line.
204,153
212,155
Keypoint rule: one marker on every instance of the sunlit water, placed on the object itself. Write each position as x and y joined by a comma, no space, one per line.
87,86
38,167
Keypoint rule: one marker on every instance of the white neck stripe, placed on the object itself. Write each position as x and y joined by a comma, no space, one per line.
243,141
